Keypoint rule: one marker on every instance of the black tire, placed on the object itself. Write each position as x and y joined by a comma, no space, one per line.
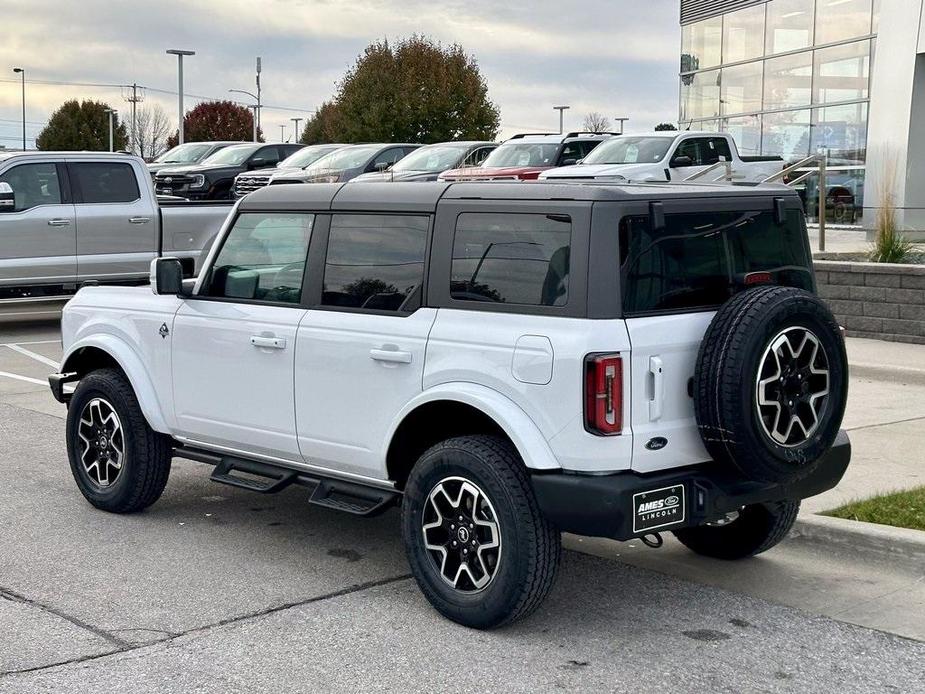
530,547
757,529
145,454
732,365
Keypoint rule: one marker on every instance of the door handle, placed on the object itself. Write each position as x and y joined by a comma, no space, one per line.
59,222
139,220
658,388
392,356
268,342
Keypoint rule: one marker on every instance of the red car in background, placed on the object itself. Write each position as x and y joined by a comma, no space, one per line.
525,156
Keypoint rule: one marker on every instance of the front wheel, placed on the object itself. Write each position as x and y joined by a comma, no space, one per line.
756,529
119,463
478,546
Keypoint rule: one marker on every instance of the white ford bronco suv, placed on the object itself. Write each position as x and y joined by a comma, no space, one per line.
505,361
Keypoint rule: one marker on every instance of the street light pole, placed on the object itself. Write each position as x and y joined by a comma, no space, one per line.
255,107
22,73
561,110
109,113
621,120
177,52
296,121
282,133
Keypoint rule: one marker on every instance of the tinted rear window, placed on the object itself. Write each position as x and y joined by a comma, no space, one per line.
100,182
512,258
699,260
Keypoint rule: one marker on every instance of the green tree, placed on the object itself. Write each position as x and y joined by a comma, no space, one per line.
416,90
81,125
665,126
217,120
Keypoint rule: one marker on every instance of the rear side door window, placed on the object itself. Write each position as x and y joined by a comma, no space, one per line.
386,158
375,262
262,259
511,258
104,182
33,185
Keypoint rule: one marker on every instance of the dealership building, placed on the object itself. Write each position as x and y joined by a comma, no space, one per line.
842,78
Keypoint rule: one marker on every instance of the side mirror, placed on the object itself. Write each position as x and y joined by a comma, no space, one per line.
383,166
569,162
260,163
167,276
7,198
681,161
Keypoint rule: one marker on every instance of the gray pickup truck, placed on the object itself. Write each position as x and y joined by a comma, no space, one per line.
68,218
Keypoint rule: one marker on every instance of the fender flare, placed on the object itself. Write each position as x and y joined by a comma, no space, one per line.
134,369
519,427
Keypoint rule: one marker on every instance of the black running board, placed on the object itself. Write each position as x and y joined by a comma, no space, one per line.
268,478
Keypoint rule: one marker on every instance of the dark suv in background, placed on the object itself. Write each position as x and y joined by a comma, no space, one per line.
188,153
212,179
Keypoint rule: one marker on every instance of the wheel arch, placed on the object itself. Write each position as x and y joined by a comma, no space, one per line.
458,409
107,351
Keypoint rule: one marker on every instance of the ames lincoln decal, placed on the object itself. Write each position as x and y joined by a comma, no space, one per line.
658,508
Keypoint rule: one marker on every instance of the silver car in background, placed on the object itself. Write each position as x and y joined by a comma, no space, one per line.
348,163
250,181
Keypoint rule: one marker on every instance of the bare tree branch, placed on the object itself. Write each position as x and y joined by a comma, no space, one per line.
596,122
151,131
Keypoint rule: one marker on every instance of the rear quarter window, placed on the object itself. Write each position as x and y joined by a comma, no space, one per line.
699,260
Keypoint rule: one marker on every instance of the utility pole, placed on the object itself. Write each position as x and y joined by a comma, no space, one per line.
257,111
561,110
109,113
621,121
296,121
282,133
22,73
136,96
177,52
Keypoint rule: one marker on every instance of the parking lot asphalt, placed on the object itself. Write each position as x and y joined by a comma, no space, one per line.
218,589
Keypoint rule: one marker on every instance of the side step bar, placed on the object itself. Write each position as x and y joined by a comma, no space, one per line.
267,478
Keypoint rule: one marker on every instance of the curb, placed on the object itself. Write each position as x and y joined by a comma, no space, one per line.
909,374
878,541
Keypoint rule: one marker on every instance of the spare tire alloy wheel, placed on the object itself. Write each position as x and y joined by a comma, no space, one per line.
462,534
103,444
793,386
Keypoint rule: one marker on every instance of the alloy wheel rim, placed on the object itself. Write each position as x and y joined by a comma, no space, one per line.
102,442
461,534
793,387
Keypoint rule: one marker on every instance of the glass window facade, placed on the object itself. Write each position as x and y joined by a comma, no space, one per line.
789,78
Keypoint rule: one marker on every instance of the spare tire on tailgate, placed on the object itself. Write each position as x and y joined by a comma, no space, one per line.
771,383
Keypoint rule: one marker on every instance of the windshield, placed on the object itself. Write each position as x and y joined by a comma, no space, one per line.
305,157
523,154
431,158
231,156
630,150
184,154
346,158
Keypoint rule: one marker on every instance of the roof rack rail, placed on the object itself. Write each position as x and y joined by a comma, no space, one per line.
520,135
576,133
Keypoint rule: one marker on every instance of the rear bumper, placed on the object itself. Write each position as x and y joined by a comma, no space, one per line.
604,505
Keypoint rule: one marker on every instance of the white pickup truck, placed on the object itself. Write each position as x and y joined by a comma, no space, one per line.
68,218
666,156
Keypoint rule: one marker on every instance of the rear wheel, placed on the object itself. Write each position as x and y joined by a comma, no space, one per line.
756,529
119,463
478,546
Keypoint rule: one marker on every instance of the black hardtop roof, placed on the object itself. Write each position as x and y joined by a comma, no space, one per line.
423,197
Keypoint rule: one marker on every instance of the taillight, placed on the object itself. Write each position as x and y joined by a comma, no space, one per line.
604,394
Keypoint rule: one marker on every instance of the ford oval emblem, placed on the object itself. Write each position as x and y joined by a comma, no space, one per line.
657,443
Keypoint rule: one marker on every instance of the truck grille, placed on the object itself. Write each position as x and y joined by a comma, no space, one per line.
248,184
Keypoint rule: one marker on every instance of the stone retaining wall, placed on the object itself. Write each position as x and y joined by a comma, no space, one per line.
877,300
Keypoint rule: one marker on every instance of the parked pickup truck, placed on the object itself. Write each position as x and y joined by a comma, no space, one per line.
505,361
74,217
659,156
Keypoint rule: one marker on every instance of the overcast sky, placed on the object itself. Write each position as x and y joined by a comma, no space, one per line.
618,57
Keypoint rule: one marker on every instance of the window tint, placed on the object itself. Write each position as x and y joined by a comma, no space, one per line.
263,258
704,151
99,182
476,157
389,156
698,260
33,185
511,258
585,147
375,261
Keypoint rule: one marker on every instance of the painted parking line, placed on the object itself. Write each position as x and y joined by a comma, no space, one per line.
32,355
31,342
27,379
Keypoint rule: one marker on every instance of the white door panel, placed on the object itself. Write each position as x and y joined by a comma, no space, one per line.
354,372
233,375
664,353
